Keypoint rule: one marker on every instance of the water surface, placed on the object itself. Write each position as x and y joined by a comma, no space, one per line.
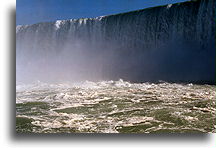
115,107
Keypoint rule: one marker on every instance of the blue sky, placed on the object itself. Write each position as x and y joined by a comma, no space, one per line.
34,11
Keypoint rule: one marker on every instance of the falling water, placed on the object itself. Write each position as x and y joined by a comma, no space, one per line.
69,72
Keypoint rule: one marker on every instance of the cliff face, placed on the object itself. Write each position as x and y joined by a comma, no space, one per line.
172,43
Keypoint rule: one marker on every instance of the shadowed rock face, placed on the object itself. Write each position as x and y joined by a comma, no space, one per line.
171,43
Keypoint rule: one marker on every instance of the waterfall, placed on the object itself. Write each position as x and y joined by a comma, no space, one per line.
172,43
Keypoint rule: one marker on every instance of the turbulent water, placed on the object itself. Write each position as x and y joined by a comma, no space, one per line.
115,107
174,43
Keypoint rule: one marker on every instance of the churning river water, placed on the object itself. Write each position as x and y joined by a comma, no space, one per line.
115,107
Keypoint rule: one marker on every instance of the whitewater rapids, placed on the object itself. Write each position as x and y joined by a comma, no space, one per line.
115,107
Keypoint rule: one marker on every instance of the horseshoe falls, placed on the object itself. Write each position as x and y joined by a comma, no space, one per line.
173,43
144,71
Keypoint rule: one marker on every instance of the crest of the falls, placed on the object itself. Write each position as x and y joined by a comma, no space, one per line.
172,43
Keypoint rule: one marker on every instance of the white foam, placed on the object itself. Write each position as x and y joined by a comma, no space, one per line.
169,6
58,23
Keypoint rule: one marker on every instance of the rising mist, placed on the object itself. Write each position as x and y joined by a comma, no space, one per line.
173,43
